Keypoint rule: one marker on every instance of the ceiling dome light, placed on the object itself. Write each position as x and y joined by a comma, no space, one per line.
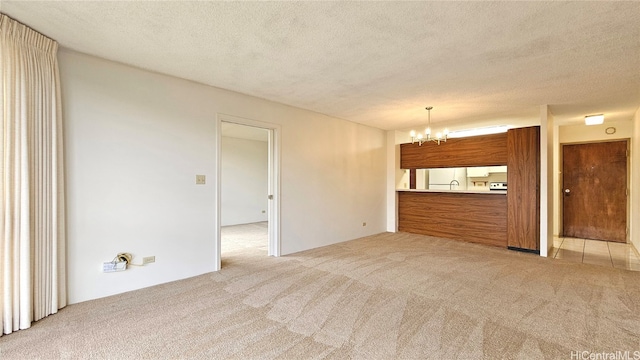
594,119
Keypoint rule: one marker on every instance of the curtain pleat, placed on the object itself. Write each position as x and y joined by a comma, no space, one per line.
32,248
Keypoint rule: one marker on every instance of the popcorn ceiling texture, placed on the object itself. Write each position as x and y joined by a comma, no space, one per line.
376,63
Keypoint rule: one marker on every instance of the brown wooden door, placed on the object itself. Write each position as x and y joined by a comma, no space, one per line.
594,178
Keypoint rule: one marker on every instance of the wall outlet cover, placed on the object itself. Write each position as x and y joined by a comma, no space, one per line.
113,266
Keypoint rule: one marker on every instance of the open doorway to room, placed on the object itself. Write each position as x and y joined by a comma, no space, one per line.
244,189
247,182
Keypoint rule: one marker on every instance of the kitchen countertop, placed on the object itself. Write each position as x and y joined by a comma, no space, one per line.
492,192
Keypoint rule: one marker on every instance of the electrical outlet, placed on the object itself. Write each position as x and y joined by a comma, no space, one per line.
148,260
201,179
113,266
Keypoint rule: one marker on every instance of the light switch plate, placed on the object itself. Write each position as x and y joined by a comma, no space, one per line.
201,179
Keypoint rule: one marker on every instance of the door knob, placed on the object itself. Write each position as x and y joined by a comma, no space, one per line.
567,191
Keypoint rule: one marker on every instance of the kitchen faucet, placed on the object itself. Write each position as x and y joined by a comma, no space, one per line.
453,182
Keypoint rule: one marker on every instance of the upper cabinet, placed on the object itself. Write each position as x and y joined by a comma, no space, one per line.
497,169
478,171
484,150
485,171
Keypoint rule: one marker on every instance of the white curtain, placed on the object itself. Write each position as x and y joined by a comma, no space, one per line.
32,243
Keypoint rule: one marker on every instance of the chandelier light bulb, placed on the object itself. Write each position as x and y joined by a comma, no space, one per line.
427,132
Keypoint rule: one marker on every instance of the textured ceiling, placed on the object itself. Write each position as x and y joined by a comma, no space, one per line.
375,63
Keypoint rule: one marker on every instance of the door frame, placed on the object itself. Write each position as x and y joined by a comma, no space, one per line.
561,183
273,215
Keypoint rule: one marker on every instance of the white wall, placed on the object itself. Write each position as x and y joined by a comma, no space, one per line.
556,190
546,180
135,141
583,133
244,187
635,179
396,178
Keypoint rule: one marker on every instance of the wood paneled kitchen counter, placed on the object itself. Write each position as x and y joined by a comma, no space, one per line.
473,216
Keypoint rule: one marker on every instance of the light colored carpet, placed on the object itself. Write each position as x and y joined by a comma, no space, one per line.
381,297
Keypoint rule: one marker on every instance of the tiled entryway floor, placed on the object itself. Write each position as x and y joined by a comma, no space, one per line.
611,254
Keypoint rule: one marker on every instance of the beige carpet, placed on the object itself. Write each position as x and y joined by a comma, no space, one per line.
381,297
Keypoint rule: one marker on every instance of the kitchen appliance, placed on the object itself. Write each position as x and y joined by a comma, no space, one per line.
448,179
497,186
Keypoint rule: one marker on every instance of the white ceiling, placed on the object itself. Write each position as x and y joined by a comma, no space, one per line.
375,63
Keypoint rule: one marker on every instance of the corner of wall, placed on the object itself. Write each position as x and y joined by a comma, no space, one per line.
634,229
546,180
393,163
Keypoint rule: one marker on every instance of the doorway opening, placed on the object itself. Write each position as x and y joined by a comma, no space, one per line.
244,189
247,189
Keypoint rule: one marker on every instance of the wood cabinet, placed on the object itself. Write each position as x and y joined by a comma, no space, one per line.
486,150
478,218
512,220
523,196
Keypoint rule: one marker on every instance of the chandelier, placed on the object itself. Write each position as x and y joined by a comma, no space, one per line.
440,136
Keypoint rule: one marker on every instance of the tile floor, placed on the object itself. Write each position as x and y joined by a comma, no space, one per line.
611,254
